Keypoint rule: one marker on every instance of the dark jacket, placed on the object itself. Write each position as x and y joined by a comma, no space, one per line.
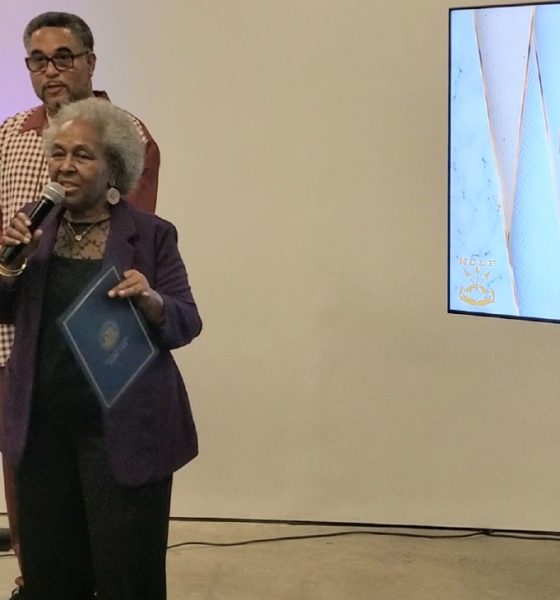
150,431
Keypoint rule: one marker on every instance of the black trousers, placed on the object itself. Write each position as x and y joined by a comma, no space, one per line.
82,532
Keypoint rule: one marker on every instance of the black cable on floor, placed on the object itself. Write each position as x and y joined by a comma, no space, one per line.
517,535
554,537
548,537
289,538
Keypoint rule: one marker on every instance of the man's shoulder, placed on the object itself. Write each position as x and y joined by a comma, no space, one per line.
15,122
142,129
144,133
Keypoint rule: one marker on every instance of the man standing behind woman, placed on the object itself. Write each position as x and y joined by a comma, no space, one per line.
61,62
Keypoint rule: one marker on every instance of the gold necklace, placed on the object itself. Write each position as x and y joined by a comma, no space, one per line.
79,236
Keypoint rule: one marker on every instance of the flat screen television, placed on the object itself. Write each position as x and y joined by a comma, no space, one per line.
504,161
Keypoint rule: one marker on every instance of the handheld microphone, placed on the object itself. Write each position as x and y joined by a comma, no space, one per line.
52,194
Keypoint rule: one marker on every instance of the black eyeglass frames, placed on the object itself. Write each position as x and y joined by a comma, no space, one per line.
63,61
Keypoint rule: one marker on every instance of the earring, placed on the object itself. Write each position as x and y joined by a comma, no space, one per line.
113,196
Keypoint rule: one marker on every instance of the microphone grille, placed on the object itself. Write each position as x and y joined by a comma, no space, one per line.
54,192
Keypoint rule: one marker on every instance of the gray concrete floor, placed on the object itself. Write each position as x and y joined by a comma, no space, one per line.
354,567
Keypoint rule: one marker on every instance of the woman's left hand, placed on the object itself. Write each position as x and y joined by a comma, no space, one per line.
136,287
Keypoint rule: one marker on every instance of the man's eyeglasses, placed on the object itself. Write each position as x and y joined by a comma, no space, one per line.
62,62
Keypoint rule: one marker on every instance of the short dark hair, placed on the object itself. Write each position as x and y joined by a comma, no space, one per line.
60,19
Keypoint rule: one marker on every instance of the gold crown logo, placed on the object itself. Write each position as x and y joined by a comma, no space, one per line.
477,293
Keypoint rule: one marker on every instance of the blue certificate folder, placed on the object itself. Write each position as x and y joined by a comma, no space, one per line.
108,338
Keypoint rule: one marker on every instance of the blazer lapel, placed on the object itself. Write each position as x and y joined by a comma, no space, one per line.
123,234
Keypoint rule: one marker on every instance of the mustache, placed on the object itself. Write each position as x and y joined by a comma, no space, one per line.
54,84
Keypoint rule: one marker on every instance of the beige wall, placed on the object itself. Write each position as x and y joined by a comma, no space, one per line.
304,149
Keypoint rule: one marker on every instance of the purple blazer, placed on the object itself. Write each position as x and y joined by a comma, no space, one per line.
150,431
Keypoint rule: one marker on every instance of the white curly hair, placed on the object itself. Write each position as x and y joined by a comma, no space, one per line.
119,135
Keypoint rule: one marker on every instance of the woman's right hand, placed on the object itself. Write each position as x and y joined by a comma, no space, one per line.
17,233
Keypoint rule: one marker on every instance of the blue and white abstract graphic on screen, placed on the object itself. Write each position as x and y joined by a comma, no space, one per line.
504,223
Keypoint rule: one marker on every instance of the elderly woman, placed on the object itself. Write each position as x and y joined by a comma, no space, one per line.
93,484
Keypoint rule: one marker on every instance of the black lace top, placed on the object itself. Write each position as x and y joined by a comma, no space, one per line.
61,390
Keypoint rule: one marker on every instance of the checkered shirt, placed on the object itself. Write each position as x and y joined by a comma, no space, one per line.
24,173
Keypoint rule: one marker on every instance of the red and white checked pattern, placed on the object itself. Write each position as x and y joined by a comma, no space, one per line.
23,174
